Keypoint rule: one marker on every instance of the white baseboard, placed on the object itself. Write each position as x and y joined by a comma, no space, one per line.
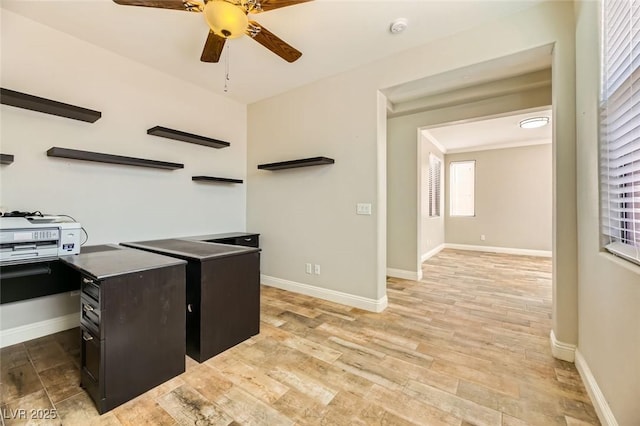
506,250
562,350
327,294
404,274
23,333
431,253
597,397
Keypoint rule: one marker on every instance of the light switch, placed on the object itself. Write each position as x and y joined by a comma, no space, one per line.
363,208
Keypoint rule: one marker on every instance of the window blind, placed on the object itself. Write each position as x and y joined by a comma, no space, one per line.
435,170
620,128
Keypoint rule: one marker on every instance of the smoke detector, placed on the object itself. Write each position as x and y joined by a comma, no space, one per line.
398,26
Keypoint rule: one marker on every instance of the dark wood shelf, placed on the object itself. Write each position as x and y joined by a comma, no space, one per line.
48,106
305,162
215,179
6,158
178,135
75,154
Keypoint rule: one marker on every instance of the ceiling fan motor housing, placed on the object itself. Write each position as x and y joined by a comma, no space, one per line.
226,19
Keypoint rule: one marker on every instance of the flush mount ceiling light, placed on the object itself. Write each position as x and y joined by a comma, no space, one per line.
534,122
398,26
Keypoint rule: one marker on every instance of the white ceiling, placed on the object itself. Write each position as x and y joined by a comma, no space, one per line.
491,133
334,36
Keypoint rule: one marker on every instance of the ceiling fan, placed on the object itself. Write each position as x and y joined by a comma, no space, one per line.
228,19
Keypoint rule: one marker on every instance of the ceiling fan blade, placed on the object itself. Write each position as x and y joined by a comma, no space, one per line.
212,48
274,43
266,5
188,5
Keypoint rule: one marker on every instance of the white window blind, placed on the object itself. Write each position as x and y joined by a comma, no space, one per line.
462,177
620,128
435,170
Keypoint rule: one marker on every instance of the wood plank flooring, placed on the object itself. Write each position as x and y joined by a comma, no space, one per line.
467,345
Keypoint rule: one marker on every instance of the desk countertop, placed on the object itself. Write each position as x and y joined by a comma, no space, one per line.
110,263
190,249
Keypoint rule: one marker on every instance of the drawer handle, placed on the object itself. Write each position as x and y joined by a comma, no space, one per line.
87,308
87,281
247,239
87,337
189,308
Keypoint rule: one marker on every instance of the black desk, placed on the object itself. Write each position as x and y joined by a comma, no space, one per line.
132,322
223,292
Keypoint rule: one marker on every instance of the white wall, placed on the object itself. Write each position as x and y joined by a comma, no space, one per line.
609,288
114,203
308,215
512,199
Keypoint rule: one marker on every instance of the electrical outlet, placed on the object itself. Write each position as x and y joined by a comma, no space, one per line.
74,293
363,208
307,267
317,269
482,237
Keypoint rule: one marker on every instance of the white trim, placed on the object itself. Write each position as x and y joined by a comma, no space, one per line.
562,350
327,294
506,250
427,134
597,397
428,255
404,274
514,144
22,333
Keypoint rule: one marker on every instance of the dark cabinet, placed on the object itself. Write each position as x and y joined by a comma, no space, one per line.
132,323
223,292
223,300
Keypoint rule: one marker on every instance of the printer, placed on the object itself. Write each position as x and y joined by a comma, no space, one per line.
37,238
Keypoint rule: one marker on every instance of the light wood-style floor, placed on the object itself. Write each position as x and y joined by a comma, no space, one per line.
469,344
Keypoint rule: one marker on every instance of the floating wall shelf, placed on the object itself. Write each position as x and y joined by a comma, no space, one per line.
215,179
178,135
6,158
75,154
48,106
305,162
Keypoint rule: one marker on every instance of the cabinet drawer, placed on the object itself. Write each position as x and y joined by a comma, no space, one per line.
91,288
91,354
92,360
90,314
95,389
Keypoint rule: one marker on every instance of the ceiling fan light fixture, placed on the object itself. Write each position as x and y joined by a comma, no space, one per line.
534,122
225,19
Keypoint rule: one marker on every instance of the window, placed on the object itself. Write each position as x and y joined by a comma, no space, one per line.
435,169
620,128
462,177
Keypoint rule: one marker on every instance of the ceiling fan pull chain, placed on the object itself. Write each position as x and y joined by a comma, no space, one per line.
226,68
